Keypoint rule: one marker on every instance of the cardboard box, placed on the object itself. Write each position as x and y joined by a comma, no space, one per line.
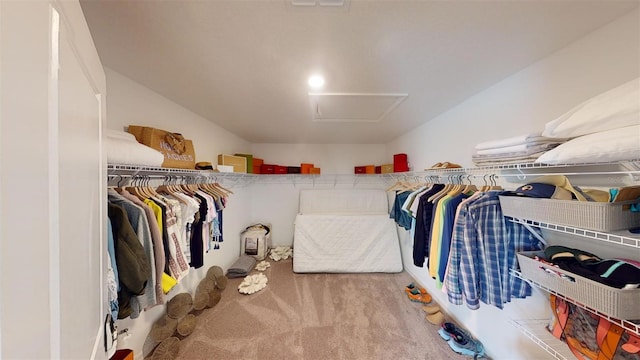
225,168
239,163
386,168
314,170
249,158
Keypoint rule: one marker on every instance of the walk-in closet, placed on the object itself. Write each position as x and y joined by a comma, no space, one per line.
363,179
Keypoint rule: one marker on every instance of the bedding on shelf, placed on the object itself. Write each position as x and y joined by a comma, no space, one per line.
123,148
345,231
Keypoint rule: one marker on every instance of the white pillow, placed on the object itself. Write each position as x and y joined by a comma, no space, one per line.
616,108
606,146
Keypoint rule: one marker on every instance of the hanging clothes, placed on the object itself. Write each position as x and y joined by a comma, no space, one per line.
423,225
483,250
133,266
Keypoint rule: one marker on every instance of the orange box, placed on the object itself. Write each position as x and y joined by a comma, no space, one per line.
370,169
314,170
256,169
257,161
305,168
122,354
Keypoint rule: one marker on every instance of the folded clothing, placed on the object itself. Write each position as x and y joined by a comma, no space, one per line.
530,139
612,272
242,267
522,148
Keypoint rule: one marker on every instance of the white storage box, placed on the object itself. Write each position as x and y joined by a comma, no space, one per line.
596,216
617,303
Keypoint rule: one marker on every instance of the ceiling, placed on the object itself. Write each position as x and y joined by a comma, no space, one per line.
244,64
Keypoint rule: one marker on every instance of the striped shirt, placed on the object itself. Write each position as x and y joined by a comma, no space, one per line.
483,250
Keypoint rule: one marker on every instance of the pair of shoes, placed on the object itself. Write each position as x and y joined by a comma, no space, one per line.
419,295
460,341
410,287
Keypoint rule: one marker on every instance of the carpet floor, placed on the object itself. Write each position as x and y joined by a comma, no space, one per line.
316,316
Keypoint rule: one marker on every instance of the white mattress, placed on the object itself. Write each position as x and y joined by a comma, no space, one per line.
343,201
346,244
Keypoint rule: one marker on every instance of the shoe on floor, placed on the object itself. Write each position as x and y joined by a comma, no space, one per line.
460,341
436,318
421,297
431,309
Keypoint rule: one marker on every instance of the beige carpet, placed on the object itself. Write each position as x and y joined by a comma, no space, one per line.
316,316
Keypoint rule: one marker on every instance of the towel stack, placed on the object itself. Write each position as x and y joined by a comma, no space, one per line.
515,150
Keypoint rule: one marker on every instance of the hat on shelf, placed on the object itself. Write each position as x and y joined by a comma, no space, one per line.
542,190
204,165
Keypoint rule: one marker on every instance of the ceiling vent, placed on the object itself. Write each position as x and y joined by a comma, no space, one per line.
353,107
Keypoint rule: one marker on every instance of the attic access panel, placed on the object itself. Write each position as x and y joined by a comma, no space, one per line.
353,107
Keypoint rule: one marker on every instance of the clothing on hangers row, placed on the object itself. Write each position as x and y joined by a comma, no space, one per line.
468,244
156,236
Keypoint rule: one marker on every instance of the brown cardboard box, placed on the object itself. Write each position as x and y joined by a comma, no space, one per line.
239,163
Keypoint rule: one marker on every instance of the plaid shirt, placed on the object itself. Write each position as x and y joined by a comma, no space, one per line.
483,249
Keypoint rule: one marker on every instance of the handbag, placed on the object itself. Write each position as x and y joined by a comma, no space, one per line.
178,152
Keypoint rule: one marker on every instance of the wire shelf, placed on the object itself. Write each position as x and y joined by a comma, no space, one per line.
626,324
537,332
614,238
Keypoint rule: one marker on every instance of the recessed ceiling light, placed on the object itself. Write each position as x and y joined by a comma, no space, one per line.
316,81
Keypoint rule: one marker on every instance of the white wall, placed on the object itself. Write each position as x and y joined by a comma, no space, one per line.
525,101
132,103
331,158
519,104
278,203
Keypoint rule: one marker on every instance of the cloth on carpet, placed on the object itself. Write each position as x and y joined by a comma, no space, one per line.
242,267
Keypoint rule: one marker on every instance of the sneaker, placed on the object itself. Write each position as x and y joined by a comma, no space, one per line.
460,341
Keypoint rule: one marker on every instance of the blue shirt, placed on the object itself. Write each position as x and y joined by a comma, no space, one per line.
483,249
401,217
447,233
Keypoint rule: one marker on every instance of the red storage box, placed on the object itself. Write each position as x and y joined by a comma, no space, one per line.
378,169
293,169
281,169
400,163
360,170
267,169
305,168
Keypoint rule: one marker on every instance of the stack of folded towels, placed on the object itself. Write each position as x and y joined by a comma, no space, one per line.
514,150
